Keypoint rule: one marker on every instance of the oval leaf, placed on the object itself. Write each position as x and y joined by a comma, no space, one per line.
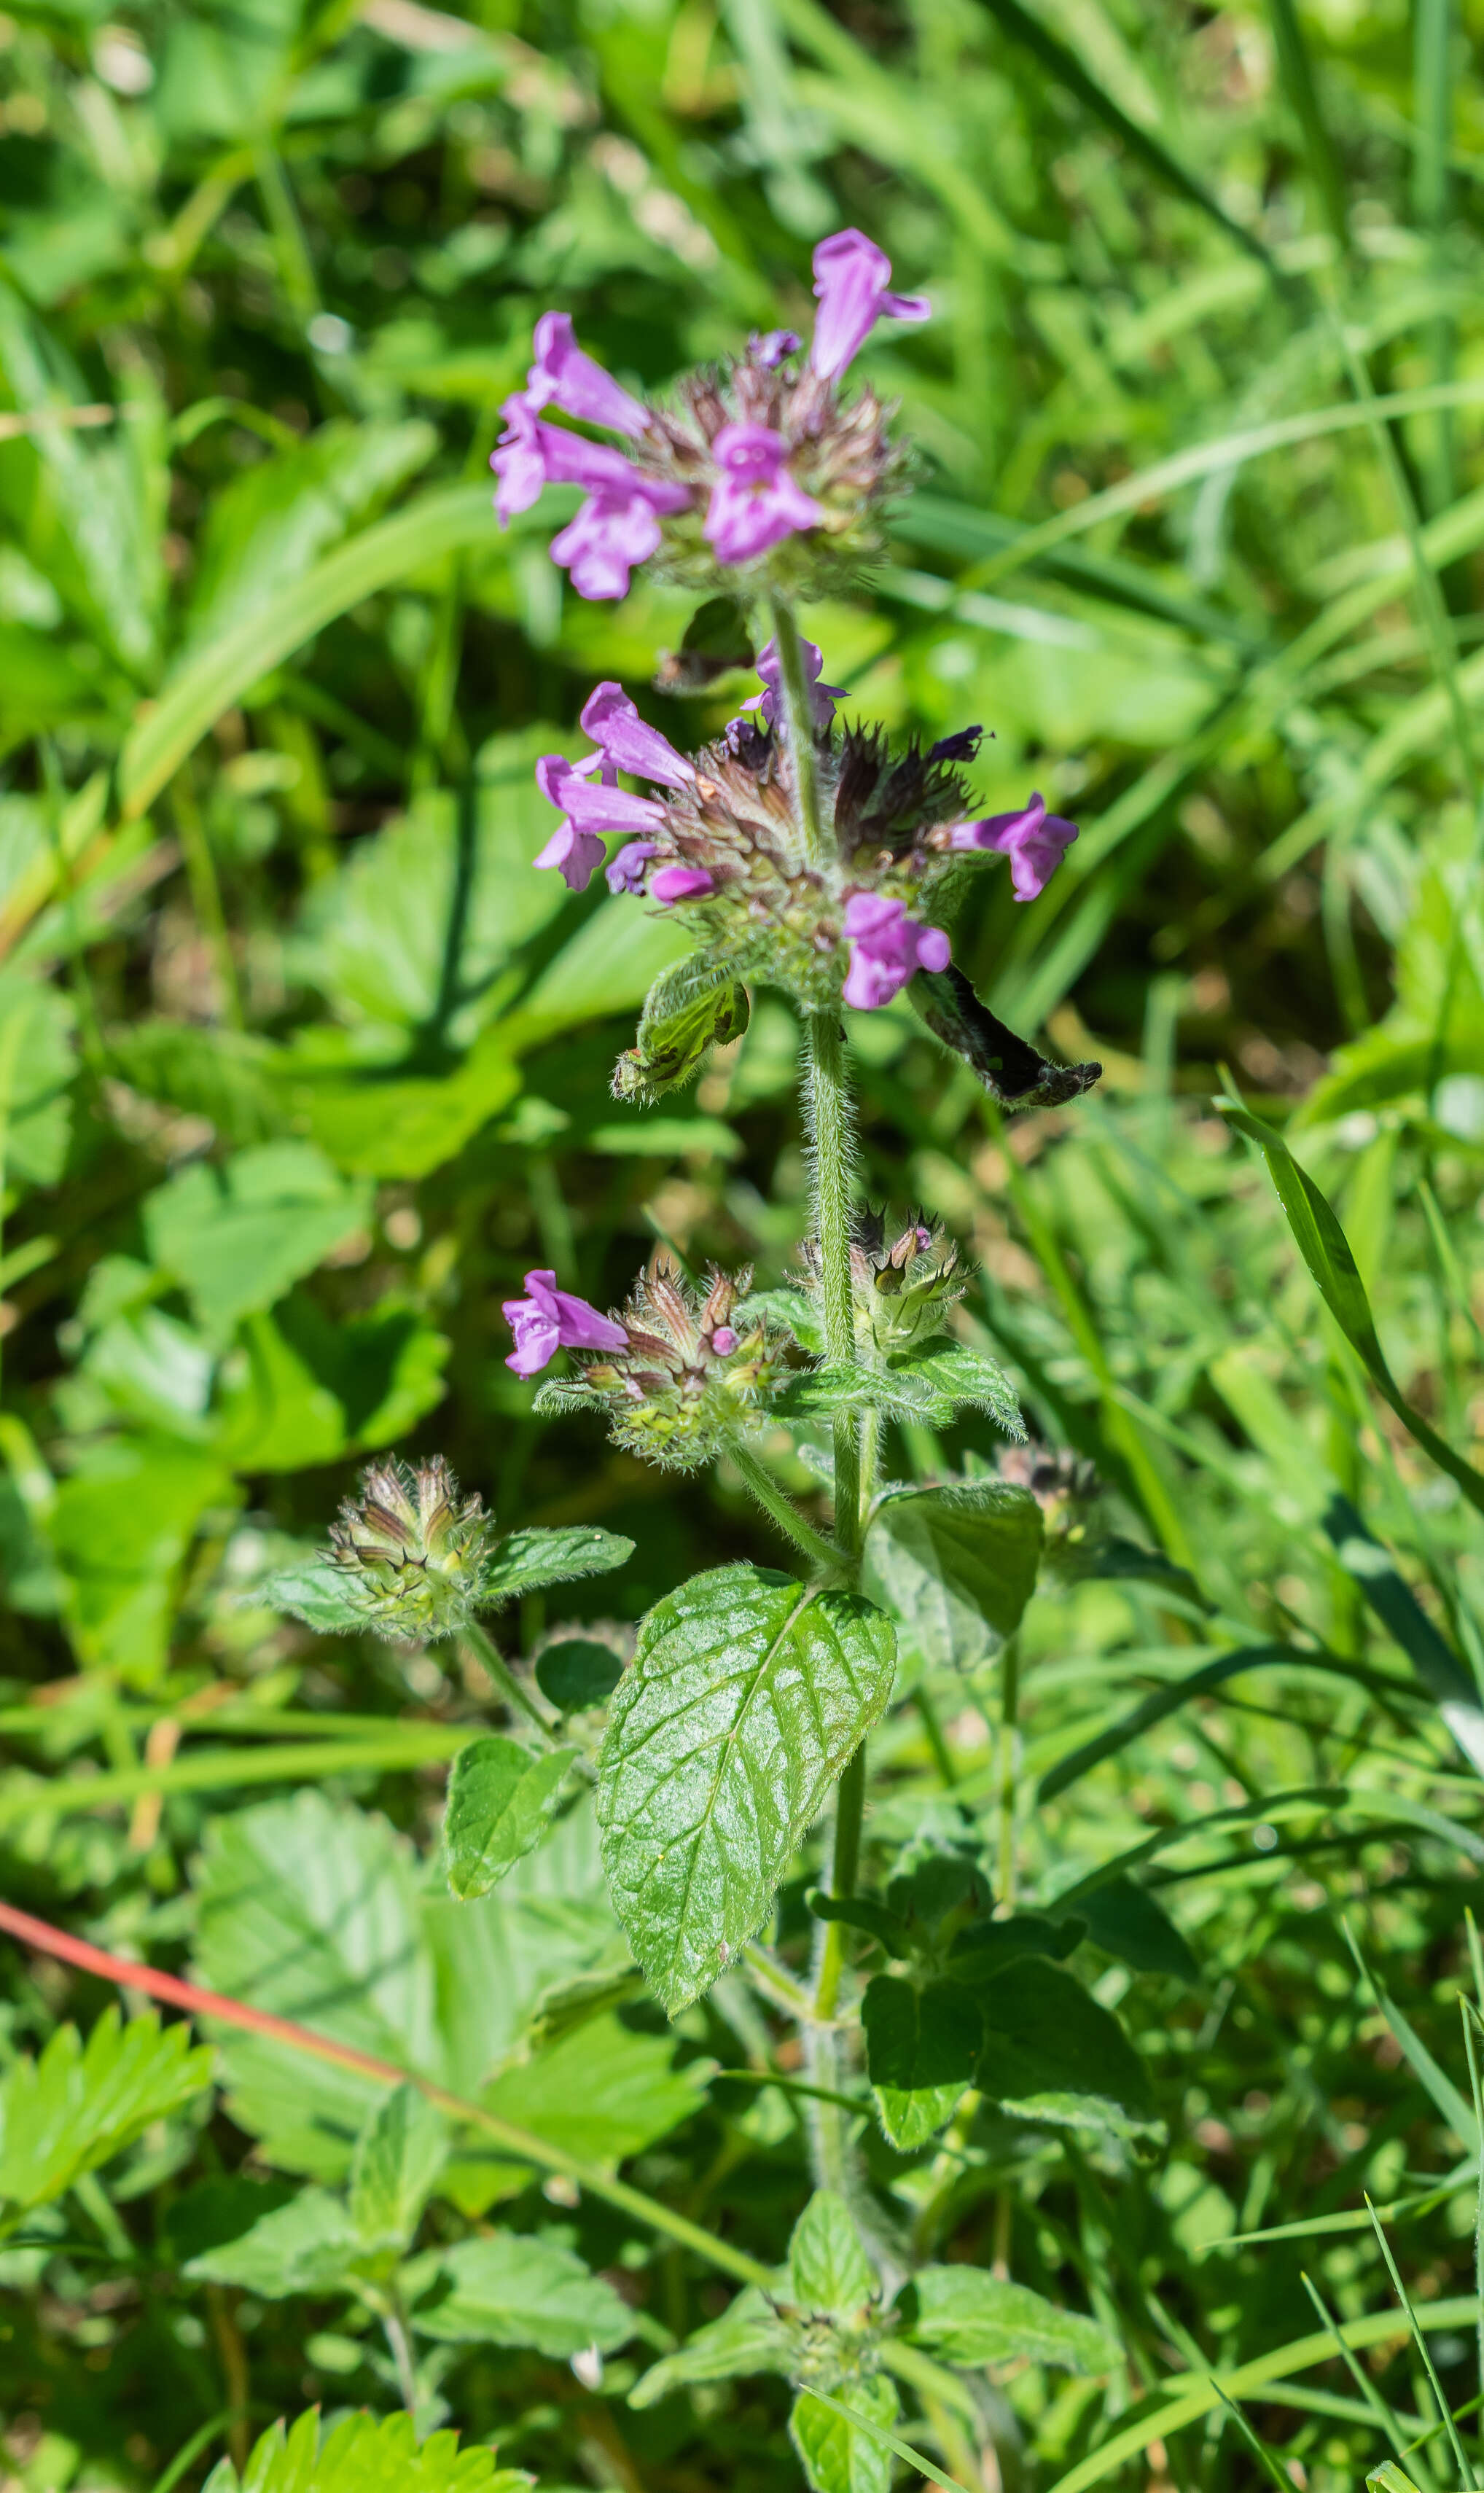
500,1799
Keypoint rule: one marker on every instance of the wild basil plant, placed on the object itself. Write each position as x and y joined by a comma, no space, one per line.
797,850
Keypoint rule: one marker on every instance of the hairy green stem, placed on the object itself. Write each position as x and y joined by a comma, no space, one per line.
493,1661
831,1132
786,1515
1009,1765
798,710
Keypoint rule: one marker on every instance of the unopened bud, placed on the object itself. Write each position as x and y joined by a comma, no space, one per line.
412,1551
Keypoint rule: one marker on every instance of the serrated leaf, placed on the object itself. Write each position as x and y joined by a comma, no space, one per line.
526,1560
961,1376
1050,2047
519,2289
688,1010
964,2315
601,2091
364,2454
399,2157
77,2106
923,2046
748,2337
828,2268
746,1699
820,1392
955,1565
500,1799
308,2248
838,2457
318,1592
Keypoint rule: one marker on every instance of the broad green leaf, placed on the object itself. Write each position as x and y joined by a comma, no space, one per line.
399,2157
310,2246
985,1948
838,2457
1049,2045
1126,1921
828,2268
964,2315
386,1121
363,2454
748,2337
608,967
317,1591
519,2289
500,1799
688,1010
237,1240
955,1565
64,2113
524,1561
119,1528
745,1700
228,1076
923,2046
577,1671
962,1376
297,1387
312,1911
897,1391
603,2092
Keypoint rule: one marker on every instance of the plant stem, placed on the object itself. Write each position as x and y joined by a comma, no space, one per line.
786,1515
394,2321
799,713
849,1809
828,1107
1009,1737
494,1662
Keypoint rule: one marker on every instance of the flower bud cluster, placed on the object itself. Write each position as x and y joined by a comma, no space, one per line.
903,1289
411,1551
687,1382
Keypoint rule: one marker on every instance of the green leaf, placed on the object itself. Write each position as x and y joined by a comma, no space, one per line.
887,1929
310,2246
399,2157
688,1010
578,1672
955,1565
1126,1921
77,2106
898,1392
1050,2048
965,2316
385,1120
745,1700
317,1591
525,1561
1327,1250
923,2046
519,2289
38,1059
500,1799
985,1948
312,1911
748,2337
238,1238
602,2091
296,1377
828,2268
364,2454
958,1376
837,2456
119,1528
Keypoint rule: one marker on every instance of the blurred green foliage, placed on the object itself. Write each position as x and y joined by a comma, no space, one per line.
300,1066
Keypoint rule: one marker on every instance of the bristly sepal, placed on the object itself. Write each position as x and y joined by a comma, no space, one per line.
411,1553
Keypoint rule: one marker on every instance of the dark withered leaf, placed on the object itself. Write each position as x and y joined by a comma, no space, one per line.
1011,1070
715,641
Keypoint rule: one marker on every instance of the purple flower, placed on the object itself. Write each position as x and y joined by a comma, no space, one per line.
610,718
563,375
675,883
851,277
770,349
612,531
589,807
1034,841
754,501
625,870
575,854
887,947
821,696
724,1340
547,1320
532,454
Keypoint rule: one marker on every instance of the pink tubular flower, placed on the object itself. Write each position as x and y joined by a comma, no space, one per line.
627,743
612,531
531,454
887,947
675,883
754,501
589,808
562,376
575,854
1034,841
547,1320
626,871
821,696
851,275
772,348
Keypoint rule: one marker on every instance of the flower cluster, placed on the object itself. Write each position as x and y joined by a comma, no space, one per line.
903,1290
679,1382
749,459
412,1553
725,841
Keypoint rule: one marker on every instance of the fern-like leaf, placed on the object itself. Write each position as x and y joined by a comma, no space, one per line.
67,2113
